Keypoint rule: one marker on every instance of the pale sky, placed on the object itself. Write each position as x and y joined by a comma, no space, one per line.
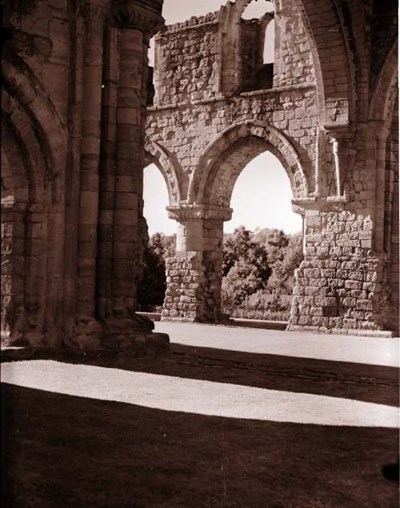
262,194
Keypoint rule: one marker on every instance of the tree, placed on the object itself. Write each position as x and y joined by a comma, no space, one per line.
245,267
152,288
288,259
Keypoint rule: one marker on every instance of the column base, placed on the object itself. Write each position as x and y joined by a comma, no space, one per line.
131,336
134,337
21,333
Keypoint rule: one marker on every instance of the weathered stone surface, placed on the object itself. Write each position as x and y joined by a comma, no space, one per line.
213,113
73,119
73,149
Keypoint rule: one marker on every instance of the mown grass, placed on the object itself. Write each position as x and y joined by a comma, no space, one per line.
62,451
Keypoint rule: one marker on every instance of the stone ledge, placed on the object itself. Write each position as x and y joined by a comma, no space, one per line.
382,334
154,316
222,98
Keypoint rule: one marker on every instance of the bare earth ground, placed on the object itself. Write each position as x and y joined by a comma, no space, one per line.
67,451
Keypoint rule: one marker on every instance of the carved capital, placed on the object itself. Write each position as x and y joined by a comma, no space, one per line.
183,213
137,14
95,9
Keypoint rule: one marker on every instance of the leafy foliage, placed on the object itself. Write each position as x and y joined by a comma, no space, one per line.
257,272
152,287
245,267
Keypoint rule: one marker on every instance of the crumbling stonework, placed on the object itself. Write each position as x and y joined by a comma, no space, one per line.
329,118
73,147
73,114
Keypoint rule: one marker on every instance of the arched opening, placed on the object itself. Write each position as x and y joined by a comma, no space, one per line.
212,188
262,243
161,240
258,45
150,76
265,180
257,8
269,43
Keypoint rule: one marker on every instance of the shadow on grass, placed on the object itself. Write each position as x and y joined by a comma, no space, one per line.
63,451
368,383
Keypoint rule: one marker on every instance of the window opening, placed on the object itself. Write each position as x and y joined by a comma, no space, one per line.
258,45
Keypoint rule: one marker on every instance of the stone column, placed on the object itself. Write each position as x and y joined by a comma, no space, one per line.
194,275
136,21
87,330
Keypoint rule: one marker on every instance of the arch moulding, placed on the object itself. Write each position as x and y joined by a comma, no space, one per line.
275,142
50,130
173,176
385,92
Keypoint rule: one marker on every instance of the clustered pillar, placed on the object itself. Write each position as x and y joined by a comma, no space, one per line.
87,329
112,230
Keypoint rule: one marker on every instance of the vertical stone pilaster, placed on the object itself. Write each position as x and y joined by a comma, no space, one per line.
107,175
13,319
128,173
90,153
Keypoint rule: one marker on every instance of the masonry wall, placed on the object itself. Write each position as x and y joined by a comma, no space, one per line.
41,36
72,182
392,218
293,112
340,284
293,63
36,68
343,282
194,78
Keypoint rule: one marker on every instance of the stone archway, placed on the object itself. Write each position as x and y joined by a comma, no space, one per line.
34,142
156,154
195,275
226,156
314,119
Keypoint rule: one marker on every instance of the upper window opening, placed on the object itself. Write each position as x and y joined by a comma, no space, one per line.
257,9
258,46
150,75
269,43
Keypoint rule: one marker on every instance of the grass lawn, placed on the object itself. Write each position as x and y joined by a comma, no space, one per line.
62,451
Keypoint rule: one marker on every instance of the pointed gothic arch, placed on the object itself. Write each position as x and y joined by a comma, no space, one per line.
35,148
225,158
172,174
385,91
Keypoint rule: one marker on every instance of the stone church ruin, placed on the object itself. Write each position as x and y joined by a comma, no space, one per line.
81,115
327,109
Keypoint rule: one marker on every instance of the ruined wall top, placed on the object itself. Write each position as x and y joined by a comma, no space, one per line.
192,22
222,55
